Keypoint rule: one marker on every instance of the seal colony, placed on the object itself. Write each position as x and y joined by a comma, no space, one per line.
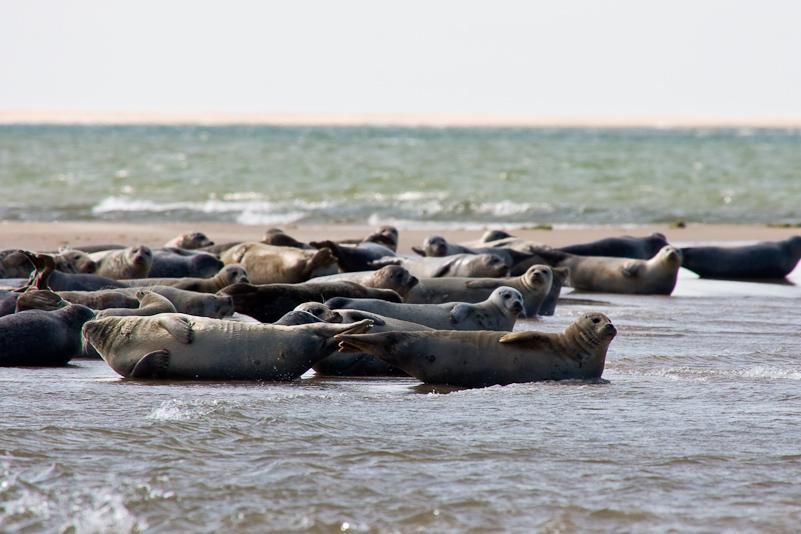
453,314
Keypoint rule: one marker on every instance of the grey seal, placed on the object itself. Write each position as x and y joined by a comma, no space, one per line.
767,260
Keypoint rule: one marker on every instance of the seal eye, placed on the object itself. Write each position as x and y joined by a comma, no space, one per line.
596,320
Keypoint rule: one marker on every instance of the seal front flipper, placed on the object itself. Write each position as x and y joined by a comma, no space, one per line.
153,365
483,283
631,268
528,339
459,313
418,250
178,327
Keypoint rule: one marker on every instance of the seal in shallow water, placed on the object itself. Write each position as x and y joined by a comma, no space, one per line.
178,346
480,359
498,312
766,260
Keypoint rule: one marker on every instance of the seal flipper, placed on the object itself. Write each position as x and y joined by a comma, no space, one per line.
529,339
459,312
178,327
153,365
418,250
483,283
630,268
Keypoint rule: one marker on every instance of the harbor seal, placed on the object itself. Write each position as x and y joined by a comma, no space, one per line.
37,295
267,303
267,264
767,260
355,258
150,303
534,286
124,264
498,312
228,275
465,265
481,359
190,241
39,338
392,277
175,262
656,276
437,246
643,248
178,346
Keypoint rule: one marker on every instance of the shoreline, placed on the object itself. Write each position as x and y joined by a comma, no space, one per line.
215,118
43,236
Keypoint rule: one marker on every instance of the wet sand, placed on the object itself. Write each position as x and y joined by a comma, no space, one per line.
51,236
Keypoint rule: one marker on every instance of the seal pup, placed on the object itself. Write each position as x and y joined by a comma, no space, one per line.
481,359
124,264
767,260
534,285
178,346
228,275
656,276
267,303
392,277
177,262
498,312
643,248
150,303
465,265
190,241
39,338
267,264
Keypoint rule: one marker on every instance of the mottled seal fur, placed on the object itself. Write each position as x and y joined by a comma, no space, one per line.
480,359
124,264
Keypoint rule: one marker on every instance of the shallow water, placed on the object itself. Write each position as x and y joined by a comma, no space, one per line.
410,177
694,429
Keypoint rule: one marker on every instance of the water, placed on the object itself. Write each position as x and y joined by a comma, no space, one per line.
695,430
459,177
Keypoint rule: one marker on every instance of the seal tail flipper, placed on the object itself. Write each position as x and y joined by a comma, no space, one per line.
376,344
153,365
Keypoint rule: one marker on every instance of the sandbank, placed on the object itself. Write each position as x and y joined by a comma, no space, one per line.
43,236
215,118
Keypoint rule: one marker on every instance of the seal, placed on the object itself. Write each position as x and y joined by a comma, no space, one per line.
14,263
267,303
228,275
82,282
39,338
191,302
643,248
656,276
465,265
150,303
124,264
437,246
37,295
498,312
767,260
101,299
277,237
534,286
190,241
267,264
176,262
178,346
481,359
355,258
361,363
392,277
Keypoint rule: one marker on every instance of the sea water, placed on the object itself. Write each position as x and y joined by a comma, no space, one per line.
695,427
442,177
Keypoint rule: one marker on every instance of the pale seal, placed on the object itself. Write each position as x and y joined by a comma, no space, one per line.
268,302
177,346
124,264
150,303
767,260
656,276
268,264
534,286
190,241
480,359
466,265
392,277
498,312
42,338
228,275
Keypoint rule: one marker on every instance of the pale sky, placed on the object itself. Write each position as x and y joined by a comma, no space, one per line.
714,58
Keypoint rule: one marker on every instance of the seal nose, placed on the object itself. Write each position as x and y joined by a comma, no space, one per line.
610,329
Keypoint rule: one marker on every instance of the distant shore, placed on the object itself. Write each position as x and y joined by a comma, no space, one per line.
79,117
50,236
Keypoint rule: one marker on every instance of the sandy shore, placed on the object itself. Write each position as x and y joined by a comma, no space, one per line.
50,236
212,118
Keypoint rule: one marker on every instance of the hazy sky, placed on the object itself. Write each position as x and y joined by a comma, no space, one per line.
721,58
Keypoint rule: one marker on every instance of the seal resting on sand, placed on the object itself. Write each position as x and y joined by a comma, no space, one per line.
267,264
768,260
178,346
480,359
498,312
124,264
39,338
466,265
228,275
